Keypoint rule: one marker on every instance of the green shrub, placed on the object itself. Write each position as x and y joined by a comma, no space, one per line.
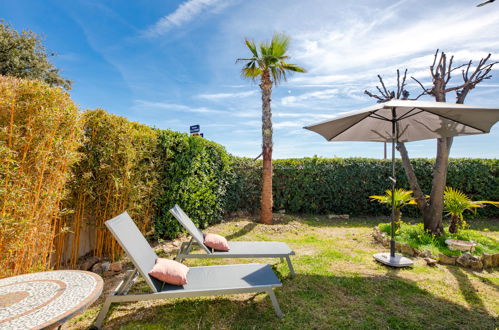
343,186
194,173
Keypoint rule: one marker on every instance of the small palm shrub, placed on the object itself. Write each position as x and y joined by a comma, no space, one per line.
402,198
456,203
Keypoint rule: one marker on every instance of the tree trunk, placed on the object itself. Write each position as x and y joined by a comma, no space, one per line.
432,218
266,198
398,219
454,222
413,180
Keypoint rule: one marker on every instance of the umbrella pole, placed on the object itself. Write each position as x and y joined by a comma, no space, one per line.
392,259
394,182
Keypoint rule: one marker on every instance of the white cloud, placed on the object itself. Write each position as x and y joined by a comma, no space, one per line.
288,124
185,13
318,95
145,105
222,96
301,115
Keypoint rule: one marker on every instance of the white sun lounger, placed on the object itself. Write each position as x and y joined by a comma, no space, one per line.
237,249
202,281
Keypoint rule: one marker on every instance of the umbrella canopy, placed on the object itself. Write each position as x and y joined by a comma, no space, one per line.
403,121
415,120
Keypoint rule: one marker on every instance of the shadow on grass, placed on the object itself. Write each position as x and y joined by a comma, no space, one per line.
313,301
467,289
484,224
484,279
241,232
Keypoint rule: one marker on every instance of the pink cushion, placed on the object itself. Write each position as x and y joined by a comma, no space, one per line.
170,271
216,242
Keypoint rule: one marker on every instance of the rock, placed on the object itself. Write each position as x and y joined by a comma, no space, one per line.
430,261
105,266
282,211
116,266
425,254
495,260
386,241
476,264
443,259
88,264
339,216
404,248
465,259
398,246
175,243
487,260
97,268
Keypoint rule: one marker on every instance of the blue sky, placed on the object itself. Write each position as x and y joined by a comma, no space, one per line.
171,64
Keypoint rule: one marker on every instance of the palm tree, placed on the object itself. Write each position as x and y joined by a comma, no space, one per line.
402,198
455,203
268,64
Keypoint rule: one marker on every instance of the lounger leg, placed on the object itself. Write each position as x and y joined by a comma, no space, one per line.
290,265
180,252
102,314
275,303
184,251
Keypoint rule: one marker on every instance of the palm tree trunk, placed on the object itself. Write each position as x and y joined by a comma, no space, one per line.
266,198
454,221
398,218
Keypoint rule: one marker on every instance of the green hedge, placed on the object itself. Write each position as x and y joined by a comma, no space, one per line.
342,186
194,173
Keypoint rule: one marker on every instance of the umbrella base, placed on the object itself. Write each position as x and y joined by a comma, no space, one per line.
397,261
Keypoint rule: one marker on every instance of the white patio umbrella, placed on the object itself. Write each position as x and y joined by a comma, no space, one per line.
404,121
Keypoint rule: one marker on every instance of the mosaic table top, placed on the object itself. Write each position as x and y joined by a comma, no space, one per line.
39,300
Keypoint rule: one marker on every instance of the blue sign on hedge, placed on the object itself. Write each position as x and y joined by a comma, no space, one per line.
194,129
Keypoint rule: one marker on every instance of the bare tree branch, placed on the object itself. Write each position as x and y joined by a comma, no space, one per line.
425,91
260,155
374,96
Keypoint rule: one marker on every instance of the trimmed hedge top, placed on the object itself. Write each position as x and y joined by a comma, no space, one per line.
343,186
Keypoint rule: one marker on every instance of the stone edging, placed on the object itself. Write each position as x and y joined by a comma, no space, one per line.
465,260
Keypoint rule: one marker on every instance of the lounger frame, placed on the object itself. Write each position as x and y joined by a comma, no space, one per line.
184,252
120,293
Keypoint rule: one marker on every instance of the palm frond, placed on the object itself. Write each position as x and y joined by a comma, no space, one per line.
294,68
251,72
279,44
402,197
456,203
269,56
252,47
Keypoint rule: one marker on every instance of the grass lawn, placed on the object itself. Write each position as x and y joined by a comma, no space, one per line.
338,285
